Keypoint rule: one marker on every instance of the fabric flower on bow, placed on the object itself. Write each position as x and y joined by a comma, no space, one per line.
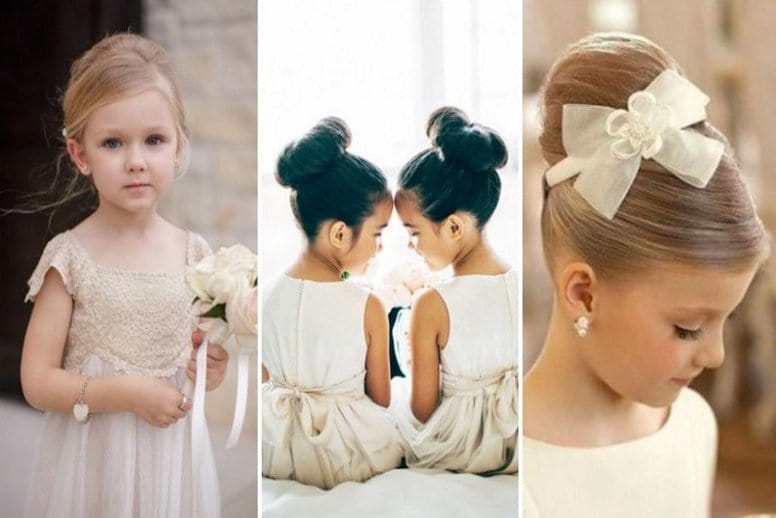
605,146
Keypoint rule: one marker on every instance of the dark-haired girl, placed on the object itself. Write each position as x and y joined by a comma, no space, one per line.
325,360
461,411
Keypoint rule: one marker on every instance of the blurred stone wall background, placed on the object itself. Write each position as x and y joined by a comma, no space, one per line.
212,46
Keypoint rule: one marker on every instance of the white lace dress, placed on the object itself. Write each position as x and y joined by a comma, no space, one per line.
116,464
318,425
474,427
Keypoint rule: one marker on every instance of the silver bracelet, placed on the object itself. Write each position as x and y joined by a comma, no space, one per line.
81,409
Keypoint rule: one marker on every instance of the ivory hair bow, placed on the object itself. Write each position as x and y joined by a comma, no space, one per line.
605,146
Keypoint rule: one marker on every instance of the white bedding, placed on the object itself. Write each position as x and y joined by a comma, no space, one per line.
398,493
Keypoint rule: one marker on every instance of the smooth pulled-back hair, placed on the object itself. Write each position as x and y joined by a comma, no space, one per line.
120,65
662,218
327,182
458,171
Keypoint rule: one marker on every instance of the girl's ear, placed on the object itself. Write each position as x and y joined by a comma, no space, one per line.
78,156
578,290
340,235
454,226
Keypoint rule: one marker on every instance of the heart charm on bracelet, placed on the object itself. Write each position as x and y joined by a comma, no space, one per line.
81,412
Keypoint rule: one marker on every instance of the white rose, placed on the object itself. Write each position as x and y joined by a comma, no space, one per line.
202,306
238,260
221,286
198,276
242,315
216,330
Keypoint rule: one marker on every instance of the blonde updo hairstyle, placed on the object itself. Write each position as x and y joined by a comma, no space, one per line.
662,219
117,66
120,65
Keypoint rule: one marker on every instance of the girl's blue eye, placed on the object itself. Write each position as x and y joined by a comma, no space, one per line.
154,140
111,143
688,334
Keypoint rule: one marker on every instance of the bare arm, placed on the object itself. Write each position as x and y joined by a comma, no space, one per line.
264,374
378,373
47,386
427,322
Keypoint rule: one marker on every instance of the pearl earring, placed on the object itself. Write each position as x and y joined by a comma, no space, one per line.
581,325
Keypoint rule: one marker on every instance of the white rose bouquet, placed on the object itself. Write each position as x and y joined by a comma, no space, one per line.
225,288
226,298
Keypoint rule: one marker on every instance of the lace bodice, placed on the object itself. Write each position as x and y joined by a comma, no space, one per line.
139,322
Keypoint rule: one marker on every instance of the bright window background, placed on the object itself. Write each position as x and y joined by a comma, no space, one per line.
383,66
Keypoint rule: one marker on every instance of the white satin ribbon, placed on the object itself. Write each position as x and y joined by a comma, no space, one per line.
197,394
312,407
502,384
605,146
241,398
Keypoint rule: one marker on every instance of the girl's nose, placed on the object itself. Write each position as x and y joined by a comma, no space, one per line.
711,354
135,160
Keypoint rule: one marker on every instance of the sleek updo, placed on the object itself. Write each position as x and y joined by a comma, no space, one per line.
327,182
458,172
662,218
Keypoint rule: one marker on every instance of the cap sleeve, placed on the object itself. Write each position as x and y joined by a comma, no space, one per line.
57,254
198,248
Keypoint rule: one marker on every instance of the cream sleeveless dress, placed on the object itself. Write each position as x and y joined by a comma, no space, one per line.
116,464
318,425
667,474
474,427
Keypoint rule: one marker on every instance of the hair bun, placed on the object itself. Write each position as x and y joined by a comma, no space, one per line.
313,154
474,147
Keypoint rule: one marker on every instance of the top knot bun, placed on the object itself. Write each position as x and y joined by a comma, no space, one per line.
313,154
471,146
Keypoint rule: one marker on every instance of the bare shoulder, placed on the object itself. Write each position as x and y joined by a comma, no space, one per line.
375,319
428,303
174,233
374,312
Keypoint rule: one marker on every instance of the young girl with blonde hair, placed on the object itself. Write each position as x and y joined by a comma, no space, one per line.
458,410
108,343
325,341
651,240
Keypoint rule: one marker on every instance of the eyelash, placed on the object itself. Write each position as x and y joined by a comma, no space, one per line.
688,334
158,139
